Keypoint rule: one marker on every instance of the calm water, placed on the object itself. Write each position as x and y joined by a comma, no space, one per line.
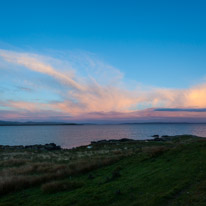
71,136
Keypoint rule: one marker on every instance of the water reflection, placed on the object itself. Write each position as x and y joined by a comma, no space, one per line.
70,136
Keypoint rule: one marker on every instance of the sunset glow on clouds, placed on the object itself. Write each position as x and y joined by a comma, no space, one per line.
81,88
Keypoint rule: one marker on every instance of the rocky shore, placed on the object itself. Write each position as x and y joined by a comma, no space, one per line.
53,146
154,138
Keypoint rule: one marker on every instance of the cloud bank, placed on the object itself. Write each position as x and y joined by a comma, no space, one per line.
81,87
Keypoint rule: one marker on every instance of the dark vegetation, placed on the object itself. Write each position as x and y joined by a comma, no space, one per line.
168,171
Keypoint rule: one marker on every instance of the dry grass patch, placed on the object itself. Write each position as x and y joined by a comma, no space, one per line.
83,166
32,168
58,186
13,162
155,151
22,177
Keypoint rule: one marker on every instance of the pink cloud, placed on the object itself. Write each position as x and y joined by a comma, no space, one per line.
90,98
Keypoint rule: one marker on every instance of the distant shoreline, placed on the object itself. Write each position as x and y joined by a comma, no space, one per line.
8,123
41,124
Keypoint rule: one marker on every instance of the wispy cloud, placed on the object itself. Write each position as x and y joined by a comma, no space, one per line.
91,88
82,94
33,62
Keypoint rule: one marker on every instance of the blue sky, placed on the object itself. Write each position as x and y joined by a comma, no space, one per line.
157,44
162,37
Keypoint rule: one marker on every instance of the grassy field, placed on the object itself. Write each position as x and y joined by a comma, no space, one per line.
149,173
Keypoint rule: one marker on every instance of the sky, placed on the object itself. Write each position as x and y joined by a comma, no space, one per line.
103,61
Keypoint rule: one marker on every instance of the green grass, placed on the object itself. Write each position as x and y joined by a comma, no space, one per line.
154,173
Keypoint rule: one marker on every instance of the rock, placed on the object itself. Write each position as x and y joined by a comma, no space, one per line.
52,146
165,136
155,135
125,140
104,141
99,142
158,139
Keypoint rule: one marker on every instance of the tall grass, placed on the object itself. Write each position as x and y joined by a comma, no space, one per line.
15,179
155,151
58,186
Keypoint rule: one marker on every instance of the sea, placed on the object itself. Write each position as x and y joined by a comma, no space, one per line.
69,136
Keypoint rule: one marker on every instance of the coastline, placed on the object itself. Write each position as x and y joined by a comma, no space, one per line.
161,168
54,147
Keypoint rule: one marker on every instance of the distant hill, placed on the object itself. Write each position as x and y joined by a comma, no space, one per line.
30,123
11,123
